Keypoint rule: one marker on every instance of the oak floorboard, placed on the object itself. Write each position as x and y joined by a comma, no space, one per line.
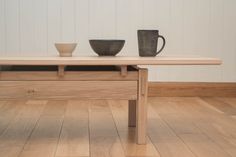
37,102
231,101
119,111
13,139
221,139
203,146
178,121
55,108
180,124
221,129
2,103
164,105
177,126
222,123
200,112
227,144
224,107
44,138
104,139
162,136
8,112
32,108
74,138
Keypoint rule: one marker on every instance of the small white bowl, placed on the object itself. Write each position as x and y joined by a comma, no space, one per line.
65,49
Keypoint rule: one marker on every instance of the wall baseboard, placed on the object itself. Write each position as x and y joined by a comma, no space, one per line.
191,89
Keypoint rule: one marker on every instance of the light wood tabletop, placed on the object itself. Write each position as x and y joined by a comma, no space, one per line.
119,60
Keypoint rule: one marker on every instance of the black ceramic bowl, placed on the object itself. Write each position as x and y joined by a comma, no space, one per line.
107,47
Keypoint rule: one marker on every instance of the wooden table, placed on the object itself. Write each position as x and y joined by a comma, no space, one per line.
89,78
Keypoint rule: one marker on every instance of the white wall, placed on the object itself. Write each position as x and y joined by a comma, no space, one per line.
191,27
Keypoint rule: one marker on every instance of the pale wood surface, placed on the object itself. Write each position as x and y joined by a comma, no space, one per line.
43,140
104,139
141,108
121,60
69,89
8,111
177,126
191,89
161,89
163,137
69,76
124,71
61,71
13,139
74,138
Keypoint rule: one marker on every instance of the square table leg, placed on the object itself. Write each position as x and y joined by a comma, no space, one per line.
141,108
132,113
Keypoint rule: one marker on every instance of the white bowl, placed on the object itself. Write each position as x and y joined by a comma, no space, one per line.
65,49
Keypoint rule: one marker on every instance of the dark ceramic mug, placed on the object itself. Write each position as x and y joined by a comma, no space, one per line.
148,42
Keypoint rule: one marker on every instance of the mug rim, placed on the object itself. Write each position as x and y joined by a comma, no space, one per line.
156,30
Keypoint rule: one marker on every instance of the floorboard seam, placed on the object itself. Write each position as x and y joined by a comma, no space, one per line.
37,121
59,136
177,135
116,127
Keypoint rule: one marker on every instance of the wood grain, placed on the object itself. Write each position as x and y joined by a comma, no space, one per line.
55,108
177,126
203,146
13,139
121,60
216,129
104,140
141,108
231,101
161,89
69,89
74,138
8,111
43,141
224,107
44,138
191,89
165,140
69,76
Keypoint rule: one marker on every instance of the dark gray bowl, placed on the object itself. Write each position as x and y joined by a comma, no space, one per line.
107,47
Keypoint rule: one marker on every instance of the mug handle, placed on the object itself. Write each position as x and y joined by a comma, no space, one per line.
164,43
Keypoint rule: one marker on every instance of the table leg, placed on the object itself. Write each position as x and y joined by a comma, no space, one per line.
132,113
141,110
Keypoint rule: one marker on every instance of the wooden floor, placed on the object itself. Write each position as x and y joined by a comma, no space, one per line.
177,127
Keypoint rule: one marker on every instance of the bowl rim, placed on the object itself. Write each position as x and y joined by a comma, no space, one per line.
107,40
65,43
